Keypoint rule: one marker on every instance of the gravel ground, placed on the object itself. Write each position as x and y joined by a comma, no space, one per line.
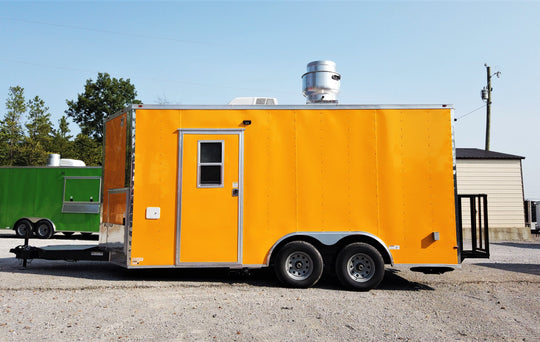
484,300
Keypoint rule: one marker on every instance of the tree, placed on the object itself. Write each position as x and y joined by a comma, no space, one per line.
101,98
61,140
39,128
11,132
87,150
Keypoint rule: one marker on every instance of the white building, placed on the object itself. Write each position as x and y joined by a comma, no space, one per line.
499,176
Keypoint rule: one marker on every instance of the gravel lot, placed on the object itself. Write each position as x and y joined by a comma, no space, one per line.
484,300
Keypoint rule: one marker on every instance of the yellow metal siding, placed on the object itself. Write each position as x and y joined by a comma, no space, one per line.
155,185
383,171
416,185
336,171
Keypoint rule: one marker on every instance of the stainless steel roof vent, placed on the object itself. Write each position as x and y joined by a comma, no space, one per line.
53,159
320,84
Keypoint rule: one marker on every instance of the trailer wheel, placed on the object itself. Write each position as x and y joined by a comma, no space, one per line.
44,229
360,266
299,264
22,227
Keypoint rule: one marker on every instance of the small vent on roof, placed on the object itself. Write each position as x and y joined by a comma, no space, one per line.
257,101
55,160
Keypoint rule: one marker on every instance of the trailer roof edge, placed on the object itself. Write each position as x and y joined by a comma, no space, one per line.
297,107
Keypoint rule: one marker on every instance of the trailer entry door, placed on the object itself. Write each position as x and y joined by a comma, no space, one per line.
210,197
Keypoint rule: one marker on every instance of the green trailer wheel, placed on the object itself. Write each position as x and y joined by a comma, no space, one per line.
22,227
44,229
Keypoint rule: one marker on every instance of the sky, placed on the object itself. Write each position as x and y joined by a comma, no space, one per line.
207,53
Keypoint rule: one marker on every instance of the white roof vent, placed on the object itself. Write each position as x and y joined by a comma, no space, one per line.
55,160
251,101
71,162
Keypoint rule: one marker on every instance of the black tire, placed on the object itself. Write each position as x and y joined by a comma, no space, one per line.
23,226
44,229
360,266
298,264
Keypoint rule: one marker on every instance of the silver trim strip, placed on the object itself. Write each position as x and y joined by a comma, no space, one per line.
134,107
125,110
298,107
82,177
328,239
179,194
211,130
81,207
193,265
428,265
118,190
130,140
200,131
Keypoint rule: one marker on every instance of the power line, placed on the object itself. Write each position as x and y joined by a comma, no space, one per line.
151,78
80,28
461,117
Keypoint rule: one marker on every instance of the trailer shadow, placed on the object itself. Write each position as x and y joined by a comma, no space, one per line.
393,281
533,269
103,271
518,244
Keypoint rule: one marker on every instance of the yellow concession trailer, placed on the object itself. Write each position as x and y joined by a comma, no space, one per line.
302,189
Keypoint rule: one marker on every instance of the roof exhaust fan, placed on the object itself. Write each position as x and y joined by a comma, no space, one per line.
321,82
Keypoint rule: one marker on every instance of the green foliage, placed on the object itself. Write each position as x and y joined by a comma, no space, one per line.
61,140
101,98
87,150
11,132
39,138
39,126
28,144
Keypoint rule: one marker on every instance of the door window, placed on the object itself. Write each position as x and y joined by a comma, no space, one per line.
210,164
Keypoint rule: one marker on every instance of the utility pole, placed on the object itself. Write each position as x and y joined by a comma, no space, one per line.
488,106
486,96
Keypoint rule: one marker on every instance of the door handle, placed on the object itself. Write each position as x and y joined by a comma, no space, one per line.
235,192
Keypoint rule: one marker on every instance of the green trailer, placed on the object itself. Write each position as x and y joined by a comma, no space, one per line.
49,199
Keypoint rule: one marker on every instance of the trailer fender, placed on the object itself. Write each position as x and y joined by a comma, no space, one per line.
334,238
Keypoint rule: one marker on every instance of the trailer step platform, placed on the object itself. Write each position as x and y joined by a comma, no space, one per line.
66,252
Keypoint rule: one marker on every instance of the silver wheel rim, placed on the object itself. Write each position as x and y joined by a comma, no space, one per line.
43,229
360,267
22,229
299,265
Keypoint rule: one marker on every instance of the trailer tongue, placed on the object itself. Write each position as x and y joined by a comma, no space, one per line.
64,252
67,253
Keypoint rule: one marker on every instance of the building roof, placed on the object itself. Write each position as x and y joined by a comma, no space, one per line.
476,153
